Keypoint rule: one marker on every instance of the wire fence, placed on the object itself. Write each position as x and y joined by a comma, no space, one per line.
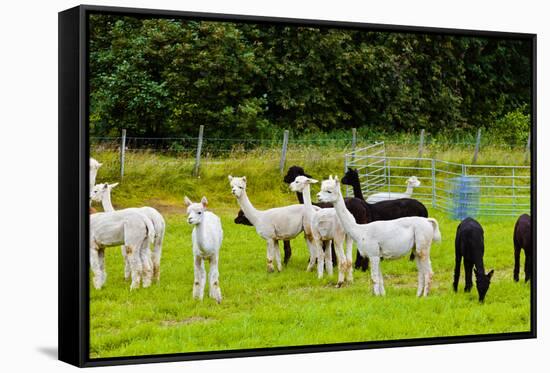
279,150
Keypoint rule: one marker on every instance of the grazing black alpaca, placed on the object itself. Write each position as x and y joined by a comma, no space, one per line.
383,210
470,246
242,219
522,240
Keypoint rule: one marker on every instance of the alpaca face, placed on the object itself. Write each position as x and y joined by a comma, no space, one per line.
351,177
330,190
238,185
299,184
99,191
482,283
195,211
413,182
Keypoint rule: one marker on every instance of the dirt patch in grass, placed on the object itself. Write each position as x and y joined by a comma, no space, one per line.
189,320
166,207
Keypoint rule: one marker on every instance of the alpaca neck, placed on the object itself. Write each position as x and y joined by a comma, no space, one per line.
308,206
480,269
357,192
409,190
300,197
249,211
106,202
346,218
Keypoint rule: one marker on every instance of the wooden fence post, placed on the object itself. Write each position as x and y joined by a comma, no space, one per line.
199,149
528,148
122,153
353,146
421,144
283,153
478,141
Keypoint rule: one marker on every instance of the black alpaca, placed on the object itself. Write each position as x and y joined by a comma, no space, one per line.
470,246
522,240
242,219
383,210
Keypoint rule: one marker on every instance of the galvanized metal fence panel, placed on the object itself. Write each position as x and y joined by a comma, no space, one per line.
501,190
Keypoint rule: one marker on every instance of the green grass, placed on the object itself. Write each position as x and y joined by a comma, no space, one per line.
290,308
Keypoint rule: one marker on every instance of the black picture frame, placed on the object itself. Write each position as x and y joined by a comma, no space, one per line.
73,189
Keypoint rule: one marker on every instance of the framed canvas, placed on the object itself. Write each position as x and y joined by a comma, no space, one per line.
234,186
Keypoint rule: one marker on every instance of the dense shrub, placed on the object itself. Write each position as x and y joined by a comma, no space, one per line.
165,77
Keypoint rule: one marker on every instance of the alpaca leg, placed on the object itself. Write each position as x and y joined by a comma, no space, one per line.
333,254
136,267
381,281
147,263
270,255
342,262
277,253
328,257
349,258
468,269
288,251
312,255
126,263
95,266
517,251
198,265
421,277
157,252
215,291
358,259
365,263
101,257
320,258
375,274
458,259
428,274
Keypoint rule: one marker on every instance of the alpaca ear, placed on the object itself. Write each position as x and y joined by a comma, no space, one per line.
336,178
230,178
187,201
244,179
204,202
99,165
490,274
330,177
113,185
313,181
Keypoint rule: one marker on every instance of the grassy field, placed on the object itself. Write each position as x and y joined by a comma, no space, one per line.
293,307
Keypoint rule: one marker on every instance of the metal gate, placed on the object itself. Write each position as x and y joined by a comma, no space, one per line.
499,190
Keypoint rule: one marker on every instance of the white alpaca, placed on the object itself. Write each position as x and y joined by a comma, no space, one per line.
133,230
94,167
325,227
102,193
387,239
207,239
412,182
281,223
